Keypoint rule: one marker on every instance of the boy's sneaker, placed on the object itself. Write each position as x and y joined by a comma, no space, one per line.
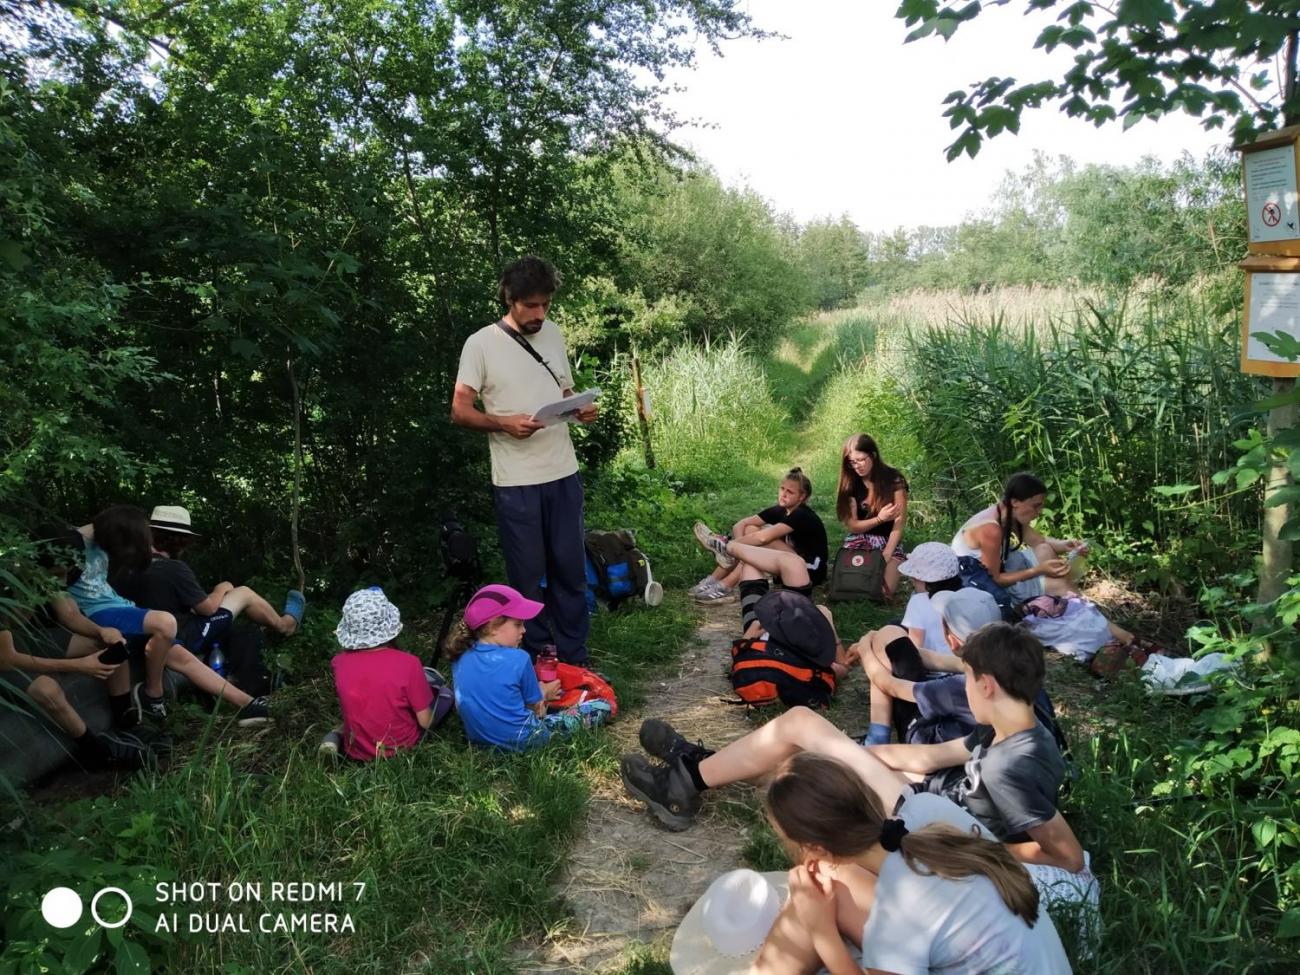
332,744
716,593
662,740
146,706
255,712
666,789
715,543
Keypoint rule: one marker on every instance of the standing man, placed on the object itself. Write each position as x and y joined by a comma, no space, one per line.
515,366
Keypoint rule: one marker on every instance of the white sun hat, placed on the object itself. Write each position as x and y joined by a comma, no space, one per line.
369,620
930,562
722,932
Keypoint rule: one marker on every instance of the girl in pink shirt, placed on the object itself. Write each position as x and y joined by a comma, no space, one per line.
388,699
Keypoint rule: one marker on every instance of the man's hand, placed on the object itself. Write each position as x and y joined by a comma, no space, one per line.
588,413
91,666
521,426
109,637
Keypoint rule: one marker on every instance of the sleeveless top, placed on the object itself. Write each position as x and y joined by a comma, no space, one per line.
959,543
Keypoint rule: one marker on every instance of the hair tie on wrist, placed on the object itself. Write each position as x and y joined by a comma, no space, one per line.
892,832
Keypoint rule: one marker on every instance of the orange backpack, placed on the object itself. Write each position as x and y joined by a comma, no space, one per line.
763,672
578,684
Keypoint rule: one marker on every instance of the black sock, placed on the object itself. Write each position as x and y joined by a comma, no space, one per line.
91,746
692,765
751,591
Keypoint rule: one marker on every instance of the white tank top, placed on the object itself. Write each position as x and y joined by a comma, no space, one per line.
960,545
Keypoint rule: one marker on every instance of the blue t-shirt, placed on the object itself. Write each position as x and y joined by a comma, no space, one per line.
494,687
92,591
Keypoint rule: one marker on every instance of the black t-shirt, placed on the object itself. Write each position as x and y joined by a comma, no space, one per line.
168,585
807,536
863,510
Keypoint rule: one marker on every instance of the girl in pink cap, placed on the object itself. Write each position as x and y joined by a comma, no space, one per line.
498,696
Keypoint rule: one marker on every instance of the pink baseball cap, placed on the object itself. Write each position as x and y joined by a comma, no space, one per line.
493,601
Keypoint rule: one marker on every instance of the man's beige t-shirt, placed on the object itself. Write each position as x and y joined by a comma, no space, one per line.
508,381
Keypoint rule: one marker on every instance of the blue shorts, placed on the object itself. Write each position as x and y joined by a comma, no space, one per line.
128,620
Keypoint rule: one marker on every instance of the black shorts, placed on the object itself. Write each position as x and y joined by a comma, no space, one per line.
805,591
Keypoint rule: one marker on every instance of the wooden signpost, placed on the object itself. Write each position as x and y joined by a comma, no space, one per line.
1270,170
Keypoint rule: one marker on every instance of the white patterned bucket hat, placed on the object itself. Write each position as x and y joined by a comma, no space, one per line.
369,620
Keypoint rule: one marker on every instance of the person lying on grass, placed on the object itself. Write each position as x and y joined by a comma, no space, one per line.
84,557
871,504
41,678
1006,773
386,696
499,699
924,889
168,584
788,526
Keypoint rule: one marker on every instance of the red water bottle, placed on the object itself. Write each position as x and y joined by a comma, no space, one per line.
548,664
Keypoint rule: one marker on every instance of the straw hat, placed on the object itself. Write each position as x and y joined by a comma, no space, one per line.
171,518
722,932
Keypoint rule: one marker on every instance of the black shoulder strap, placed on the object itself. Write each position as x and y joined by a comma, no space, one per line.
527,347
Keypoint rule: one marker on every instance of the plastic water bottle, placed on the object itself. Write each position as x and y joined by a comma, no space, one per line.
548,663
217,659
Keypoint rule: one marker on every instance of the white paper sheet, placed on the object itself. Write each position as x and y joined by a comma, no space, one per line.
1274,307
565,410
1272,203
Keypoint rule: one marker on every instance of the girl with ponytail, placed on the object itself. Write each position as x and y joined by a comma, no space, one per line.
924,890
1000,551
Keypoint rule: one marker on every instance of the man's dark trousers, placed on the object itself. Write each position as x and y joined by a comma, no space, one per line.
541,528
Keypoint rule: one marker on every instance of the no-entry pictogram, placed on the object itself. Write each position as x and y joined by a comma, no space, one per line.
1271,214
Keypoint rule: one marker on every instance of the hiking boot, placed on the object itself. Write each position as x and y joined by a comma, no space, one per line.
666,789
146,706
331,744
661,740
715,543
255,712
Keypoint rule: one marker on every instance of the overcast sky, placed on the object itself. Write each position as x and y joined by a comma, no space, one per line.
843,117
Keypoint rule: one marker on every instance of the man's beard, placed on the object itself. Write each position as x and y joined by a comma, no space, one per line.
532,328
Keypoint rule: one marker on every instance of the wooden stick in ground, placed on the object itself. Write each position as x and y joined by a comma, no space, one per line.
297,477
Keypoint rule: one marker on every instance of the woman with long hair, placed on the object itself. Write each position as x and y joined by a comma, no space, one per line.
872,504
1000,551
925,890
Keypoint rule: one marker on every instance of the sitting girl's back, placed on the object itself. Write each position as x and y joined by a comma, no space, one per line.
383,692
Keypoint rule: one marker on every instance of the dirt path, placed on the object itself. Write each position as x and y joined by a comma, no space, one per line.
629,880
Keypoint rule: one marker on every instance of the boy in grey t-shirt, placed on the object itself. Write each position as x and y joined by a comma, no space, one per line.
1010,786
1006,773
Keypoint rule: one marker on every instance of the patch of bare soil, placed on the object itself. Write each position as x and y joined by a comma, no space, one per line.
629,880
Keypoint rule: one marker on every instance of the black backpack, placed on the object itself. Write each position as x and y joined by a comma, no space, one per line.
618,570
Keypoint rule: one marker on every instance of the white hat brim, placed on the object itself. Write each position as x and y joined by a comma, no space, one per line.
693,952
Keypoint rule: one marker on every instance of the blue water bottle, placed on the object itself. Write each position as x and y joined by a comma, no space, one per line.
217,659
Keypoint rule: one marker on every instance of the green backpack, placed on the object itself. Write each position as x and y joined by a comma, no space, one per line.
857,574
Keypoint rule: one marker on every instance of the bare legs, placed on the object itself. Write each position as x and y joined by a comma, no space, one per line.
204,677
161,628
775,558
758,754
1066,584
244,600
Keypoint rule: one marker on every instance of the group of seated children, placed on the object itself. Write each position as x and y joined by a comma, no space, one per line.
125,594
959,683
